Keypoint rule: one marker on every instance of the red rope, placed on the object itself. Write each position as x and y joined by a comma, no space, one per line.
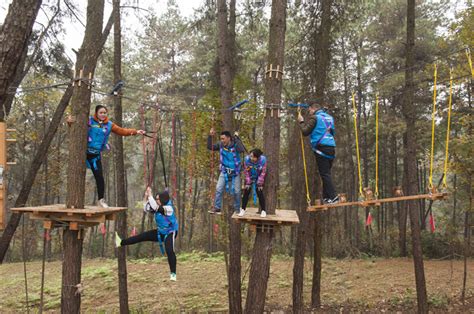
145,157
193,156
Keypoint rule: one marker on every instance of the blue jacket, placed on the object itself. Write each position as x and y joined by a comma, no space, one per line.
98,135
323,132
229,155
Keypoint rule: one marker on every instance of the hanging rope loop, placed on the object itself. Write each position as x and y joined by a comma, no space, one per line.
376,193
308,197
433,120
361,193
448,129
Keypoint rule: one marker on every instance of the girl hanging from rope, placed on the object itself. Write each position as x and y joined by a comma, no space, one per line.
100,128
166,231
255,169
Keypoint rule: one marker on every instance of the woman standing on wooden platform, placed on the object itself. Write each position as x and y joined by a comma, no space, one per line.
255,169
100,128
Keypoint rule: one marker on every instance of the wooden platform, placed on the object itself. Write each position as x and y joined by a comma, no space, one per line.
281,217
378,202
58,215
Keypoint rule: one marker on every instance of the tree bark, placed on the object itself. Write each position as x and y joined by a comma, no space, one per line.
119,163
323,56
262,251
410,117
81,99
14,34
226,51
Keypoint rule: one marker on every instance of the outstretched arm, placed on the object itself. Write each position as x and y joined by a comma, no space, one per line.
125,132
210,145
308,125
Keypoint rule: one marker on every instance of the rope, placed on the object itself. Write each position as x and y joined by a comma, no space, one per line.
469,60
193,156
212,162
153,145
145,155
376,193
173,155
23,244
45,237
446,157
357,144
308,197
433,116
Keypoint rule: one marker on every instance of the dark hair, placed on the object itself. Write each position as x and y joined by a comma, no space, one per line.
164,197
98,107
256,152
226,133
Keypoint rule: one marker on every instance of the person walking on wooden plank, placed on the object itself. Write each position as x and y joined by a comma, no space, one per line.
320,127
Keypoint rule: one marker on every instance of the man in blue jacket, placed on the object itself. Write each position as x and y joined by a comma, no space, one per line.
229,149
320,127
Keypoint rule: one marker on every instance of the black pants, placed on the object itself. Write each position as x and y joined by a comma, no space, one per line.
152,236
245,198
98,174
324,167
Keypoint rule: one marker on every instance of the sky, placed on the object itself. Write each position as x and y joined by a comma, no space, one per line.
75,30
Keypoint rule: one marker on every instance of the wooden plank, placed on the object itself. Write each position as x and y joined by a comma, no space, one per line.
282,217
435,196
67,218
48,224
73,225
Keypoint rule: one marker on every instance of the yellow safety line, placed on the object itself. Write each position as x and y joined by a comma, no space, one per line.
376,194
308,197
433,116
450,101
357,143
469,60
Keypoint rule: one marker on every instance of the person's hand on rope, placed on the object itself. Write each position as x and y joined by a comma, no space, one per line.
70,120
260,188
236,134
300,117
247,187
141,132
212,132
148,192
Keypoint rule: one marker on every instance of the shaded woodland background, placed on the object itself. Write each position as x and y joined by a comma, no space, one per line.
172,85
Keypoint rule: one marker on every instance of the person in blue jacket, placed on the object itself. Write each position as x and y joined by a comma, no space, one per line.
320,128
229,149
166,228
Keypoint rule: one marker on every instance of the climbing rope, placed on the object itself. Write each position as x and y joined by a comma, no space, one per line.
433,117
450,101
211,189
469,60
173,156
308,197
376,193
193,155
145,157
357,143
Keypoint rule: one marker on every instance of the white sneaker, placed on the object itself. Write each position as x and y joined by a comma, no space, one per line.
241,213
102,203
263,214
172,276
118,241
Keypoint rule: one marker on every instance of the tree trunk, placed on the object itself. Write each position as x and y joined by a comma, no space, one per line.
262,251
226,51
119,163
81,99
410,117
14,34
323,56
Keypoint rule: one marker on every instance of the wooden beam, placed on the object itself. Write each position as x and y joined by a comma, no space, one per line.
377,202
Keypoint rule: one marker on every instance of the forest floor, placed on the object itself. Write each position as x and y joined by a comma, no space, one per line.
367,285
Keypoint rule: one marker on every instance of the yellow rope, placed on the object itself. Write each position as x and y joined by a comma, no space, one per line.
433,116
376,194
450,101
308,197
357,144
469,59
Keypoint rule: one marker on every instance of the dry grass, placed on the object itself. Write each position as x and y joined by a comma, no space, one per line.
347,285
